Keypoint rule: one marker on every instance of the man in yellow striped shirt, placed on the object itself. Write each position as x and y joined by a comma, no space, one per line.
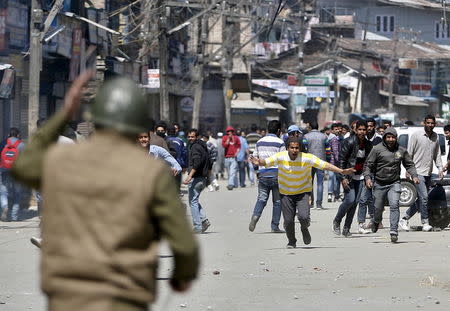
295,184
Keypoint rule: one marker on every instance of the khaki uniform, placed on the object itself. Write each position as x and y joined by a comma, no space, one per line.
106,206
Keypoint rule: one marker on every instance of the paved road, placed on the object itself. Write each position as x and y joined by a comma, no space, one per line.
258,273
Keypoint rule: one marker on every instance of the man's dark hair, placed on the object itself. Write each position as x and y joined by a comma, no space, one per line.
195,131
360,123
294,139
346,126
171,131
388,122
314,125
447,128
14,132
335,125
161,124
372,120
430,117
409,122
204,135
253,127
273,127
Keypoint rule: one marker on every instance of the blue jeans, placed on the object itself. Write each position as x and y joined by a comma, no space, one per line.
231,166
320,175
421,203
333,184
241,166
366,202
392,192
196,187
348,206
10,192
251,172
265,185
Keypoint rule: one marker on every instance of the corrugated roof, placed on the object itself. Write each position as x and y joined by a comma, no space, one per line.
419,4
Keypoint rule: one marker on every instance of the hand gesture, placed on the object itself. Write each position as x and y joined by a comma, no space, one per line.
441,174
369,183
72,100
416,180
345,183
253,160
174,171
187,180
348,171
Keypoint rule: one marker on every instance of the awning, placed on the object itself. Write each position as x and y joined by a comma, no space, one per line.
246,104
276,106
411,101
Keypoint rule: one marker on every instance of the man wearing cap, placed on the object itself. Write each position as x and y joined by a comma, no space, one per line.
231,144
101,228
384,164
293,131
266,147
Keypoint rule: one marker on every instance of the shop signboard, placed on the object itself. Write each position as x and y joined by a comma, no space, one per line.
316,81
420,89
153,78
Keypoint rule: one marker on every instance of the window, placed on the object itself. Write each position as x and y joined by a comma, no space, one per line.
385,23
442,30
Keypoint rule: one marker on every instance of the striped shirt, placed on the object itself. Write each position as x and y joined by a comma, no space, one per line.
266,147
294,176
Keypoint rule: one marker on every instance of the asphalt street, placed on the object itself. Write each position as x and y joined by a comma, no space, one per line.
254,271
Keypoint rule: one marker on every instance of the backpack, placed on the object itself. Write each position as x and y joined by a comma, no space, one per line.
9,153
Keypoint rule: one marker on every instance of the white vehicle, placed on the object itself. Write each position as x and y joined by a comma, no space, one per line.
409,193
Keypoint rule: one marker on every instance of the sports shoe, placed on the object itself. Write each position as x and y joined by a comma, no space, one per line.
368,225
346,232
290,246
362,230
277,230
426,227
306,236
36,242
197,231
253,222
230,187
210,188
4,216
205,225
319,206
394,238
336,228
330,197
375,227
403,223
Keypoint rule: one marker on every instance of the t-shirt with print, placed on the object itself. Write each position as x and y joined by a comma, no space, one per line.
359,165
294,176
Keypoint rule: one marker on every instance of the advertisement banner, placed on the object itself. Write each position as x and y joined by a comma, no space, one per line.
76,53
153,78
420,89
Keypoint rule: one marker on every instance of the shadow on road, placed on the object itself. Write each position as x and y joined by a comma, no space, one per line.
399,242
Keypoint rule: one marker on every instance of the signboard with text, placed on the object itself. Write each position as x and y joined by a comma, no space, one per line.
153,78
420,89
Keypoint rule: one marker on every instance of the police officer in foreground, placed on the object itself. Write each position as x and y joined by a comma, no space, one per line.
106,206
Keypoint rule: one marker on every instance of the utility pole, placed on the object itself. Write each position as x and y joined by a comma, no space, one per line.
227,69
198,70
35,65
392,72
296,118
164,107
363,55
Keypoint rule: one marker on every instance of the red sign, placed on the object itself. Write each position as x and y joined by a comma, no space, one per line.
292,80
2,29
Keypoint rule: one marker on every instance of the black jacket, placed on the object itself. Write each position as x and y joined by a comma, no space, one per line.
385,164
199,158
349,151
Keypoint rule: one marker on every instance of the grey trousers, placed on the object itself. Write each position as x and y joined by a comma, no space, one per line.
290,204
392,192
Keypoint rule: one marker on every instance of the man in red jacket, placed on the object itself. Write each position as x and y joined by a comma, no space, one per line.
231,144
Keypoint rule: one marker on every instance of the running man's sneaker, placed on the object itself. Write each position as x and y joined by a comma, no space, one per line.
277,230
362,230
306,236
403,223
319,206
205,225
426,227
394,238
330,198
336,228
253,222
290,246
36,242
346,232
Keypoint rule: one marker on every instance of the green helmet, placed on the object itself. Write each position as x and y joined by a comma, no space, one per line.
120,105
